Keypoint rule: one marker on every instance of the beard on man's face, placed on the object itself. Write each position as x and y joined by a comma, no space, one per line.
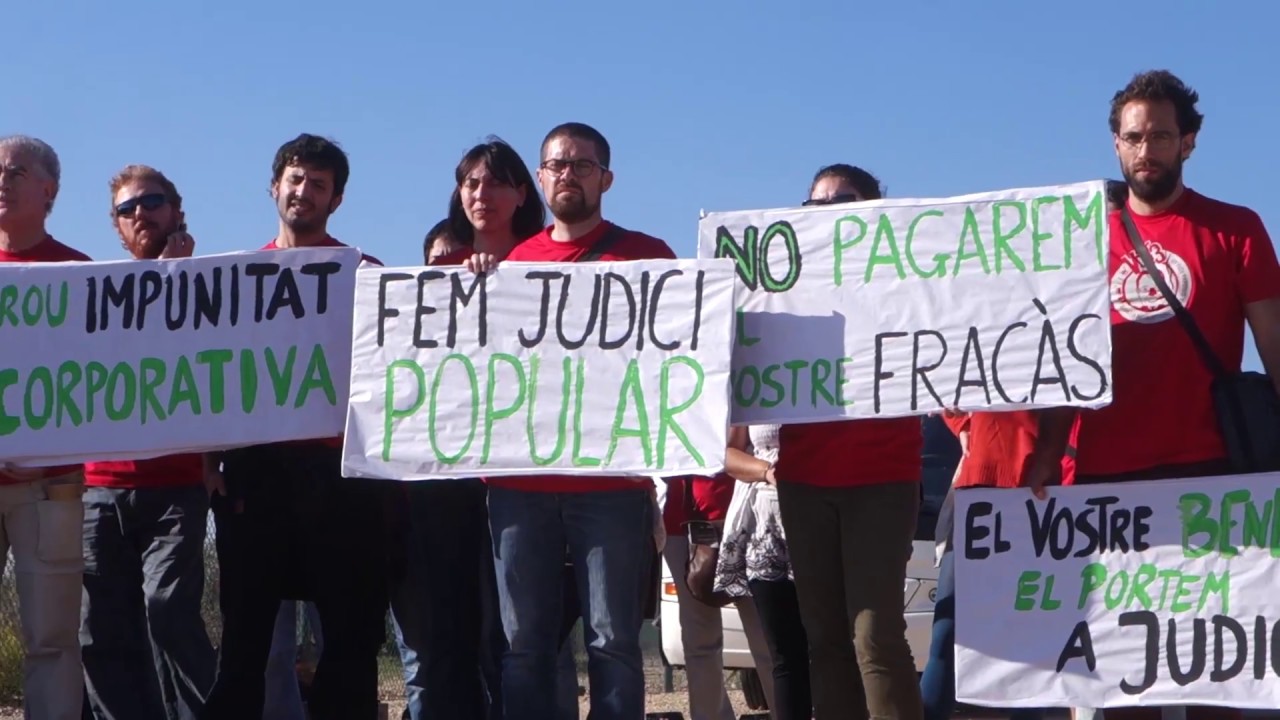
572,207
149,241
302,216
1158,182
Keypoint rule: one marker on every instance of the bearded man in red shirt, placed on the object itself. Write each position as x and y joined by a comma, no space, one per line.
1218,260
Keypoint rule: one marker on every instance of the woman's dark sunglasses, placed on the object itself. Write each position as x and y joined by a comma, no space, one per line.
833,200
148,202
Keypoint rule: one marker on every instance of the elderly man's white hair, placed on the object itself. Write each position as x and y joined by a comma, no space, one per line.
46,159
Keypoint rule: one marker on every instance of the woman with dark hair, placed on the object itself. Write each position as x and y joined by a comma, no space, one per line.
451,639
849,494
494,206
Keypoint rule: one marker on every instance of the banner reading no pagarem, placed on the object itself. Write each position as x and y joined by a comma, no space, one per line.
617,368
133,359
906,306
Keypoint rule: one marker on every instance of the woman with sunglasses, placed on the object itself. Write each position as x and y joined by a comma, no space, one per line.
849,494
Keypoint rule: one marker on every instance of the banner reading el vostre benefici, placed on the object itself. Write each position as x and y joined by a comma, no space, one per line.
134,359
1137,593
613,368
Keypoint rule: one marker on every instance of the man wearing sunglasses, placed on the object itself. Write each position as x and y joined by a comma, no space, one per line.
41,516
146,651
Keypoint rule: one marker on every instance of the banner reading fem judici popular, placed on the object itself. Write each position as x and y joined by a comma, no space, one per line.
1150,593
139,358
591,368
900,307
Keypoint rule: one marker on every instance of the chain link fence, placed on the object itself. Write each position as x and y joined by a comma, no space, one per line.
390,669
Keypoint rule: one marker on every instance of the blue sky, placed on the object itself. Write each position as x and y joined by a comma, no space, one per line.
711,104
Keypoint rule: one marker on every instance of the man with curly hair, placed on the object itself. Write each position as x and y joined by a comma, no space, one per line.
1218,260
146,651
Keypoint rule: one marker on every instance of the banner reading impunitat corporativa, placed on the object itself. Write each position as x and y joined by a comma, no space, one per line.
135,359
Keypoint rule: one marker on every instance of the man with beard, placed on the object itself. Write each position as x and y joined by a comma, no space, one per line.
606,522
41,515
289,526
1218,260
146,651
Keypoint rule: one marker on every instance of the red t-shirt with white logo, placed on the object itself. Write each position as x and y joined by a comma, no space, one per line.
328,241
1217,258
541,248
851,453
47,250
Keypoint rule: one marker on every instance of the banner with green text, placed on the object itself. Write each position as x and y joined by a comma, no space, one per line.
134,359
1142,593
901,307
615,368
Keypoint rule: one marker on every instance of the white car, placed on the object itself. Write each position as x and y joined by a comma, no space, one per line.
918,593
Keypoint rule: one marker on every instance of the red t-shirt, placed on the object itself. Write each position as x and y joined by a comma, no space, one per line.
47,250
162,472
850,453
711,498
1217,258
1000,446
541,248
328,241
455,257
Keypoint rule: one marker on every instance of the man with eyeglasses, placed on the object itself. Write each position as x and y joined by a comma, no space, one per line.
146,651
607,523
1219,263
41,514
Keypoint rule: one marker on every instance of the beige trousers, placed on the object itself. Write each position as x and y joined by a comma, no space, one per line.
42,522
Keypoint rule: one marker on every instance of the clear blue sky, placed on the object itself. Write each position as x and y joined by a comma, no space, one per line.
710,104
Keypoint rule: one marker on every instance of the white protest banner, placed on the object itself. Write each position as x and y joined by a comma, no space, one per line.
1143,593
901,307
592,368
134,359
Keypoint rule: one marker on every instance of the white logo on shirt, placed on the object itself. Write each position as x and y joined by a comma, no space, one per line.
1135,295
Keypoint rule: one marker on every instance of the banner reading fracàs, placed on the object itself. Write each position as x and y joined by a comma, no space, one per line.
592,368
901,307
1144,593
134,359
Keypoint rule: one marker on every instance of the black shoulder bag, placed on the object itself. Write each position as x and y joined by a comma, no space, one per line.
704,552
1246,403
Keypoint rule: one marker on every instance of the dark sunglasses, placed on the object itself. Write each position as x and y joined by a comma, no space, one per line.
148,202
833,200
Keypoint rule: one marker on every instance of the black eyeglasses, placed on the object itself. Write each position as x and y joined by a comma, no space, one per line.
833,200
148,202
582,167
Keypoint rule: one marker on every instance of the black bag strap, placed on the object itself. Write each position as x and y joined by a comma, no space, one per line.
612,234
1184,317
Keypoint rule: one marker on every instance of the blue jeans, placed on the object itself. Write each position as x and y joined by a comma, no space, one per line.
438,602
283,700
609,535
938,683
145,650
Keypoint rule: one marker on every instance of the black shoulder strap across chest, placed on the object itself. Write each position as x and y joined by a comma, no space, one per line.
611,236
